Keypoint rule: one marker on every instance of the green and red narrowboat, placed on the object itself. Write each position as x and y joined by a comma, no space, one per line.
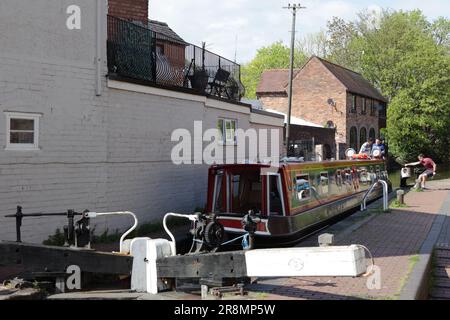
293,200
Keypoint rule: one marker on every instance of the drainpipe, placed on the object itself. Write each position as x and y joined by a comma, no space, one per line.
98,49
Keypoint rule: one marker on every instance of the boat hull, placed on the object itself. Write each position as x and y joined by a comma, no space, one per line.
285,231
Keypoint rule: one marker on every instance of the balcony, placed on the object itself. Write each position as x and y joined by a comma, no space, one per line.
138,53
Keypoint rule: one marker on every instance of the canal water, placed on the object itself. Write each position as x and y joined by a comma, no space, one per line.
442,172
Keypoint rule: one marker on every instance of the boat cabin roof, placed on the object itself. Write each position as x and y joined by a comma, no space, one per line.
301,165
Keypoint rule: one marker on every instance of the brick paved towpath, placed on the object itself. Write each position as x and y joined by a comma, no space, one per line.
395,240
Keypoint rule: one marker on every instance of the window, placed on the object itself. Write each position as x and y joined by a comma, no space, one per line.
338,178
246,192
353,107
363,136
373,108
354,138
365,102
382,110
348,176
372,133
22,131
227,129
219,195
324,183
364,176
276,206
303,187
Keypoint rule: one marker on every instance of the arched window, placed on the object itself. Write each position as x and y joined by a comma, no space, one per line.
354,138
372,133
362,136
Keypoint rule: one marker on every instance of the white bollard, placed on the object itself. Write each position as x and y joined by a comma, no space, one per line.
146,252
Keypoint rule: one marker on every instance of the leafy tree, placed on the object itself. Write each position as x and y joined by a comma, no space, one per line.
402,54
341,45
275,56
403,57
419,118
441,32
314,44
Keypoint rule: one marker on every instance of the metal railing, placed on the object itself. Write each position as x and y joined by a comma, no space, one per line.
385,195
139,53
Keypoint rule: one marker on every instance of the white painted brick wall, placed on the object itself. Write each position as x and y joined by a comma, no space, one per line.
99,153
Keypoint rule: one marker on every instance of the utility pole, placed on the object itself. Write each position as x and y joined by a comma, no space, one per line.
293,8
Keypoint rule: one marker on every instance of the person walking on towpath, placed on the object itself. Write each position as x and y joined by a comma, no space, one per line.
430,170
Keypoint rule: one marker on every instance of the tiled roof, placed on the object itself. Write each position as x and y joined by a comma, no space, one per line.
275,81
353,81
164,31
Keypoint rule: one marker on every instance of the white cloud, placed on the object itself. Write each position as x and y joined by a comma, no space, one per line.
256,23
431,8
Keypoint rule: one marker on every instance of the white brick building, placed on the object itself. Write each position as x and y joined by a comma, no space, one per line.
101,144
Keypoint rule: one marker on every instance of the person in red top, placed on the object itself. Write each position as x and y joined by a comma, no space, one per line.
430,170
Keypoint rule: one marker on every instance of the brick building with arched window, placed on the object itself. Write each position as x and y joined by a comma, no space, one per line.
325,93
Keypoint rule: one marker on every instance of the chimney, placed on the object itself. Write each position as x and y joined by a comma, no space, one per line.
132,10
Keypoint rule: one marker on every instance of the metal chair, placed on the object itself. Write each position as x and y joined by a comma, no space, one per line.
218,85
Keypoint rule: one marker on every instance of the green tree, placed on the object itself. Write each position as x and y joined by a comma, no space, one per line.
342,48
404,57
275,56
314,44
441,32
419,118
402,54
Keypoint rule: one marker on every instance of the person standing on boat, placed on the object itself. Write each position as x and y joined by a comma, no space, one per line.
430,170
366,148
379,146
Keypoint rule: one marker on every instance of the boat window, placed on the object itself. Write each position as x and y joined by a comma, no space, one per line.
364,176
378,173
275,201
246,192
303,187
348,176
338,178
218,201
373,176
324,183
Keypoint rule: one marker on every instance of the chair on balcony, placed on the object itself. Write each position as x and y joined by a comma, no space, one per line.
167,73
218,85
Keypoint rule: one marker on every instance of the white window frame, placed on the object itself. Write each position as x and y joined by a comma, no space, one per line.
22,146
225,140
309,189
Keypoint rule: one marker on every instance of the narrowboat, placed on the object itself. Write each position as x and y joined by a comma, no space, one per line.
292,201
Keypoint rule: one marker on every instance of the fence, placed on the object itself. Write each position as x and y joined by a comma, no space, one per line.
137,52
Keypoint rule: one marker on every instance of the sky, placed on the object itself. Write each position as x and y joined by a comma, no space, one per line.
239,27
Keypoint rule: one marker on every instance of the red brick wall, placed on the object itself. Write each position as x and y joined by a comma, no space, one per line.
134,10
313,87
275,102
360,120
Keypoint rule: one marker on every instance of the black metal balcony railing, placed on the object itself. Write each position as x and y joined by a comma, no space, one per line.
139,53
